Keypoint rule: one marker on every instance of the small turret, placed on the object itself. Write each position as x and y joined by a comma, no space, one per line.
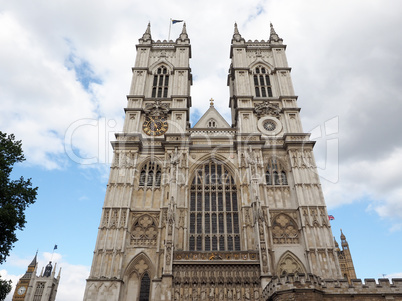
146,37
273,37
236,35
184,36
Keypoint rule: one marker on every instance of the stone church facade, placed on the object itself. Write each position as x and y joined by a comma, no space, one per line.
214,211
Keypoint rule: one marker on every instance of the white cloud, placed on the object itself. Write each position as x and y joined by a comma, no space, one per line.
345,64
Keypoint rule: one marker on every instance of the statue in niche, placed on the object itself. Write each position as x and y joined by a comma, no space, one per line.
230,294
186,293
195,292
212,292
238,293
203,293
177,294
221,294
256,294
247,294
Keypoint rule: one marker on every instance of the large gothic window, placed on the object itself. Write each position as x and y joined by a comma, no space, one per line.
275,174
150,175
160,83
262,83
214,210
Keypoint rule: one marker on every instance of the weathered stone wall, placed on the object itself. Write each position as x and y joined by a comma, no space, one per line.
310,287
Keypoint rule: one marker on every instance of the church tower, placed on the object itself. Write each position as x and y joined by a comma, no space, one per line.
31,287
214,211
345,259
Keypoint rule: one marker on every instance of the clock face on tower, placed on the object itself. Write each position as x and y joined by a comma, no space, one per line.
155,125
21,290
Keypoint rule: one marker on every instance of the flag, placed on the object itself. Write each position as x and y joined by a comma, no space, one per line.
176,21
55,247
331,217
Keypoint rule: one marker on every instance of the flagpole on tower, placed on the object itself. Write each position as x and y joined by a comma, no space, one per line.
55,247
170,25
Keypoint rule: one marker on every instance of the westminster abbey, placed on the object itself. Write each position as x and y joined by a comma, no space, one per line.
217,211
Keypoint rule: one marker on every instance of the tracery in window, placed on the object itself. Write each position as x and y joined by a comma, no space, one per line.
214,216
150,175
275,174
160,83
262,83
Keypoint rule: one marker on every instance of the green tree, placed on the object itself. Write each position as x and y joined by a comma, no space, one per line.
15,197
5,288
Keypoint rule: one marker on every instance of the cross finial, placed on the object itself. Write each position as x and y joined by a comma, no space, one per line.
211,102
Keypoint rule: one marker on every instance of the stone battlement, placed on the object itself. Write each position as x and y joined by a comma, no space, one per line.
341,287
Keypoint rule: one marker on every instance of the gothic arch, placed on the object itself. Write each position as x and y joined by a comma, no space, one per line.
215,158
139,265
159,63
261,62
143,174
289,263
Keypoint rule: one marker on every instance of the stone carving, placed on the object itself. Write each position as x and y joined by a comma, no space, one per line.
144,231
216,281
141,267
106,218
267,108
177,294
157,109
284,230
290,264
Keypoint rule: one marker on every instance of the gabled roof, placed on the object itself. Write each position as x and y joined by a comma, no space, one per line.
212,115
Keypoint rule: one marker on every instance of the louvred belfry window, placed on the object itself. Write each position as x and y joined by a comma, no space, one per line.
214,215
262,83
160,83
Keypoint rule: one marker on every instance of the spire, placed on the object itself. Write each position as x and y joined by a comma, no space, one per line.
343,237
184,35
147,35
273,37
236,35
336,243
34,261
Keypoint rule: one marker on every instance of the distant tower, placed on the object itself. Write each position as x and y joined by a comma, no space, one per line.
345,259
37,288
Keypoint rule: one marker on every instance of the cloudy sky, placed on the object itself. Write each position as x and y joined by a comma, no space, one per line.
65,69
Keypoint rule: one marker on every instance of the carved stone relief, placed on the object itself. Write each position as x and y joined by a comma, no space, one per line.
144,231
289,264
284,230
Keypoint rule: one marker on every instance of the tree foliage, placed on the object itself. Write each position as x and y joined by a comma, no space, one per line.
15,195
5,288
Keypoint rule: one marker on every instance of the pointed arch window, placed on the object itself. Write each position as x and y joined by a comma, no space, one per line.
144,288
276,173
150,175
262,82
214,216
160,83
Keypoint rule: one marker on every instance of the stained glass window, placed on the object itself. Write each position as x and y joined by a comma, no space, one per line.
214,210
